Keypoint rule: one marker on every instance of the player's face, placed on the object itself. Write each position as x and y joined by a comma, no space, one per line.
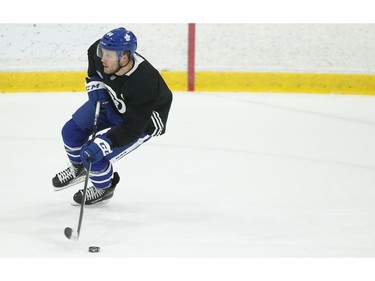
109,61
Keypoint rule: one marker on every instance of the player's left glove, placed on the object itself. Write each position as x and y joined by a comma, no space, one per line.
95,150
96,90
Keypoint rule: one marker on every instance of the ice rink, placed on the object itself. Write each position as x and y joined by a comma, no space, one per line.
237,175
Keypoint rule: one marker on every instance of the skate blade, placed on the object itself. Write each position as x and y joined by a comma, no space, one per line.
104,202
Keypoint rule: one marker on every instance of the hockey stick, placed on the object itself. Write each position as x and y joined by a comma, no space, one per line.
69,233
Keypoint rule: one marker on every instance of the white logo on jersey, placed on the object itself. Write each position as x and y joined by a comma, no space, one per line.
120,104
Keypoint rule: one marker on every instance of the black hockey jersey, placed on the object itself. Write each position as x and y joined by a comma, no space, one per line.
141,96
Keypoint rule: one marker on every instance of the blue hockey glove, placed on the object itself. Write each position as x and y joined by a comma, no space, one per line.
95,150
96,90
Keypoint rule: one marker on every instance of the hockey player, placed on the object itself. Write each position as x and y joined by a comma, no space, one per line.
135,103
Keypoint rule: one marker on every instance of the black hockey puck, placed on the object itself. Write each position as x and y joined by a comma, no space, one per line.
94,249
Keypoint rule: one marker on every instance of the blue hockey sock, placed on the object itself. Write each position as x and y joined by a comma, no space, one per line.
73,138
101,174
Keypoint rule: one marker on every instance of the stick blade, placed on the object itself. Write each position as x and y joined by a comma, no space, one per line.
70,234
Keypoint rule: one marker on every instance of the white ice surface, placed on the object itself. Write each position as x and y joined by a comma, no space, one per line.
237,175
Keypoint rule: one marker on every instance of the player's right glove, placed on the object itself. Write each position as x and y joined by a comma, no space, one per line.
95,150
96,90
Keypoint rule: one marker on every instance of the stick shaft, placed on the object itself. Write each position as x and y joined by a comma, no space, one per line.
95,128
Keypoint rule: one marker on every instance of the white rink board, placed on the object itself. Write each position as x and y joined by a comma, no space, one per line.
311,48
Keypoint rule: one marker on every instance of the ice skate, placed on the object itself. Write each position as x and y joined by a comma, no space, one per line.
95,195
72,175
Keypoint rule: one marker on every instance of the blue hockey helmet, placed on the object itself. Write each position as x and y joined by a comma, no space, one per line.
119,40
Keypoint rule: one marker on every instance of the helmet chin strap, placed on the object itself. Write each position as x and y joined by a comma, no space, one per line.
121,66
